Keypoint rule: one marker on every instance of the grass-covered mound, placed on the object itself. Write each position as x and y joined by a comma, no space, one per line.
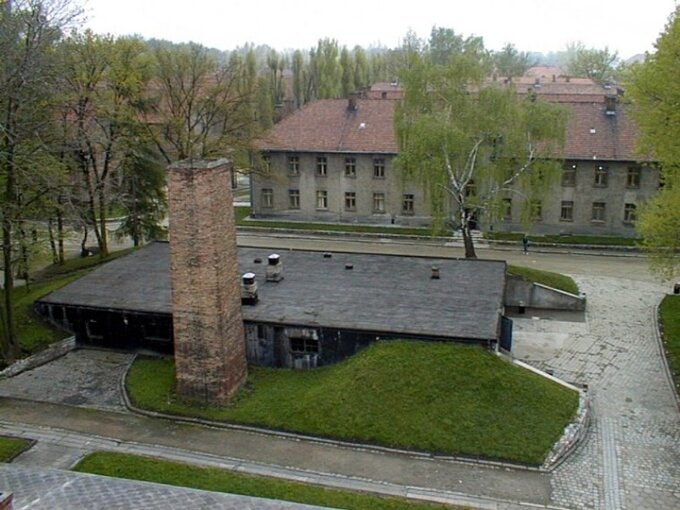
134,467
669,312
436,397
547,278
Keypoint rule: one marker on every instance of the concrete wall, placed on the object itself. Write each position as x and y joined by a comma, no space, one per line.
583,192
336,183
521,292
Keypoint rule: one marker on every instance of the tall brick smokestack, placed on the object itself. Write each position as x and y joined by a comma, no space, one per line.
210,355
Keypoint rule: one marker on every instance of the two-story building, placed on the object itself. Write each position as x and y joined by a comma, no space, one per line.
333,160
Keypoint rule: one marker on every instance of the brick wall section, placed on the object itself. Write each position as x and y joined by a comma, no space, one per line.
210,355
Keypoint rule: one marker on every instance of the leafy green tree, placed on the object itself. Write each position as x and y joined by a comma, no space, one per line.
362,69
654,90
29,31
326,69
659,226
598,65
204,108
510,62
347,66
470,144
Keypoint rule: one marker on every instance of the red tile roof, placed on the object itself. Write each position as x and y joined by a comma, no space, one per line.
328,126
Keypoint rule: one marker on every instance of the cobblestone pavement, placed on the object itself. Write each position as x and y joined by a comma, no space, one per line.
54,489
89,381
630,458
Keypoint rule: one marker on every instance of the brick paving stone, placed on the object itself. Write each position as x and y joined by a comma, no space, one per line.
35,489
633,446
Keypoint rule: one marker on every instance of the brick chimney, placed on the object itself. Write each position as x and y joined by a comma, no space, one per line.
210,356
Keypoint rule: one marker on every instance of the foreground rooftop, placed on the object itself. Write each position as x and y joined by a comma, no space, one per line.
381,293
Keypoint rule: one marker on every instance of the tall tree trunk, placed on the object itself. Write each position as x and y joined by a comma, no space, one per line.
53,242
103,237
468,243
9,343
60,234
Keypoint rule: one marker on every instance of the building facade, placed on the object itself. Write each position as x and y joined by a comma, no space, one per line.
334,161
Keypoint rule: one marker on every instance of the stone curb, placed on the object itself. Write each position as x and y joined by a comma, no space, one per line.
664,360
572,435
91,443
313,439
51,353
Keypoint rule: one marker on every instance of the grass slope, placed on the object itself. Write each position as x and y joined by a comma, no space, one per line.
10,447
547,278
35,334
669,312
219,480
443,398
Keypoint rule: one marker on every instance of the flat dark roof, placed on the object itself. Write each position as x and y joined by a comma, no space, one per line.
382,293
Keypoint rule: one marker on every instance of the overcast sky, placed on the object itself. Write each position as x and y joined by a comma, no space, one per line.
628,26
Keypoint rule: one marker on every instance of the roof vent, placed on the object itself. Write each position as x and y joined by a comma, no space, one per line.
593,130
248,289
435,273
349,267
610,105
327,255
362,125
274,270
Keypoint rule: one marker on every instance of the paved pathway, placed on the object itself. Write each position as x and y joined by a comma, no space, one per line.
55,489
629,460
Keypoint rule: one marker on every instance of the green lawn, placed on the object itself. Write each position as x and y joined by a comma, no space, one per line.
437,397
547,278
34,333
241,214
10,447
669,312
564,239
134,467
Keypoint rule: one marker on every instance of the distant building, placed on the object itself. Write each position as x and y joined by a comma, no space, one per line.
333,160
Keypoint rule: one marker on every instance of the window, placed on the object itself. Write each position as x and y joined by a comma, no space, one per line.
536,212
633,177
350,167
267,197
322,199
294,165
321,166
569,174
567,211
629,213
598,211
293,198
379,202
304,345
507,209
350,201
470,189
407,205
601,172
379,168
266,163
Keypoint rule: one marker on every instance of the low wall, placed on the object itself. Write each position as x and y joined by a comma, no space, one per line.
524,293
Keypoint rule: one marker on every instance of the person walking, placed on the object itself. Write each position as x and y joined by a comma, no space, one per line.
525,244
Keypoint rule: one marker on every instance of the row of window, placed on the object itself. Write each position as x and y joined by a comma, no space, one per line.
322,166
379,205
601,176
598,212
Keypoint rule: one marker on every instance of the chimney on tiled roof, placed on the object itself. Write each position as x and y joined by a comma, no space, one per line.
610,101
352,104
